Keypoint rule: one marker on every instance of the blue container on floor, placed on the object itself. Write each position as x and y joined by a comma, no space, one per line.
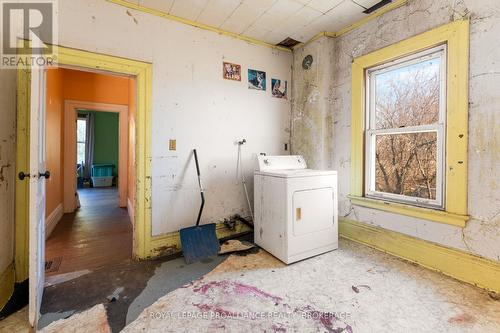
102,170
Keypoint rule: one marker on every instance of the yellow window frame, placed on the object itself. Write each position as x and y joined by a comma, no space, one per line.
456,36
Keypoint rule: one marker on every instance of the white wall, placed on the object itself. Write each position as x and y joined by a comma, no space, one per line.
481,236
191,103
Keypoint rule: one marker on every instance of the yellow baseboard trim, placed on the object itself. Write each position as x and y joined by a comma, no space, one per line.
7,279
457,264
170,243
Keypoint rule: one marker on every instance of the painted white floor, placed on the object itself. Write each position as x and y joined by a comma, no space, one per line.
353,289
367,290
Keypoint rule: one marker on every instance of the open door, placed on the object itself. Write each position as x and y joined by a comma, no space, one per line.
37,175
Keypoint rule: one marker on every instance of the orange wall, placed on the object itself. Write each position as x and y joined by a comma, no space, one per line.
54,139
97,88
67,84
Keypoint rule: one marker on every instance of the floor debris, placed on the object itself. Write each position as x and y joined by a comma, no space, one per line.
52,280
93,320
51,317
90,289
356,288
235,245
167,277
235,263
494,295
16,322
115,295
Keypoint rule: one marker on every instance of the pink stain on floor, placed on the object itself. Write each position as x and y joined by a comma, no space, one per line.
278,328
237,288
244,289
327,320
215,309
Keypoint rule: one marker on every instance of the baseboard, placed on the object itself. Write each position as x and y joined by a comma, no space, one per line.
52,220
481,272
131,211
6,285
169,244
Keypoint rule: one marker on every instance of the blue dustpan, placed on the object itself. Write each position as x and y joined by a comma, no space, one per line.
200,241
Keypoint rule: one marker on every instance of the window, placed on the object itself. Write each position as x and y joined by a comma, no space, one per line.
405,126
81,140
409,121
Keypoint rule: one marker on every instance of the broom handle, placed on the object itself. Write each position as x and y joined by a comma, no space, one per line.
201,187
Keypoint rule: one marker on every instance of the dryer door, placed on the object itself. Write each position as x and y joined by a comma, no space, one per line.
312,210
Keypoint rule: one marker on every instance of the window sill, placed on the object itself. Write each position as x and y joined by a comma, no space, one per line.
418,212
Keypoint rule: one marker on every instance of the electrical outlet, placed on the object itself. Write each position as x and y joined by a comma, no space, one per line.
172,144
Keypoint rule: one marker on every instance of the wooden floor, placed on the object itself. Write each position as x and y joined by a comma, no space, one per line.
98,234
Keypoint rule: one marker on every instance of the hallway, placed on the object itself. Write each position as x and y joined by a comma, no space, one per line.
96,235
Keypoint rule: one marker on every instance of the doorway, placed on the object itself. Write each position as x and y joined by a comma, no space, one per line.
87,146
30,218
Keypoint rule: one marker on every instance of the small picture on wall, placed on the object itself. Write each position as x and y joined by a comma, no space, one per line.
279,88
231,71
256,79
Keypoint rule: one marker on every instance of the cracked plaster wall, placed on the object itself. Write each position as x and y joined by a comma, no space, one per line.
321,115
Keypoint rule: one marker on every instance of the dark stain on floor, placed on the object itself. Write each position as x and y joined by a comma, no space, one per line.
86,291
98,286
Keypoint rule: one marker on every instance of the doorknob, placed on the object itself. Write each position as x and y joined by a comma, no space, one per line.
23,175
46,174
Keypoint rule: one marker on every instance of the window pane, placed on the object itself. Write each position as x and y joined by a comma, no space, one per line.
406,164
408,95
81,130
80,152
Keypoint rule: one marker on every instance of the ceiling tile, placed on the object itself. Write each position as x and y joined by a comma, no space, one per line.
257,33
277,14
161,5
217,11
366,3
324,5
347,12
298,21
323,23
302,2
276,37
188,9
246,14
303,35
268,20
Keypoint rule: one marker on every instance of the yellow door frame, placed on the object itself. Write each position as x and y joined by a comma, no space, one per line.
145,244
96,62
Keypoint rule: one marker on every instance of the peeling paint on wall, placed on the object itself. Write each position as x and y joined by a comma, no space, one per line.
481,236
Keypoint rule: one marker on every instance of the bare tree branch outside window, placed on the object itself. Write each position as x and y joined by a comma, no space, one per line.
408,96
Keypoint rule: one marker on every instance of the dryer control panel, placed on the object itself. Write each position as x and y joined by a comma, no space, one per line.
284,162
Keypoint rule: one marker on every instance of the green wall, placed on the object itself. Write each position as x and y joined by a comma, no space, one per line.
106,138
